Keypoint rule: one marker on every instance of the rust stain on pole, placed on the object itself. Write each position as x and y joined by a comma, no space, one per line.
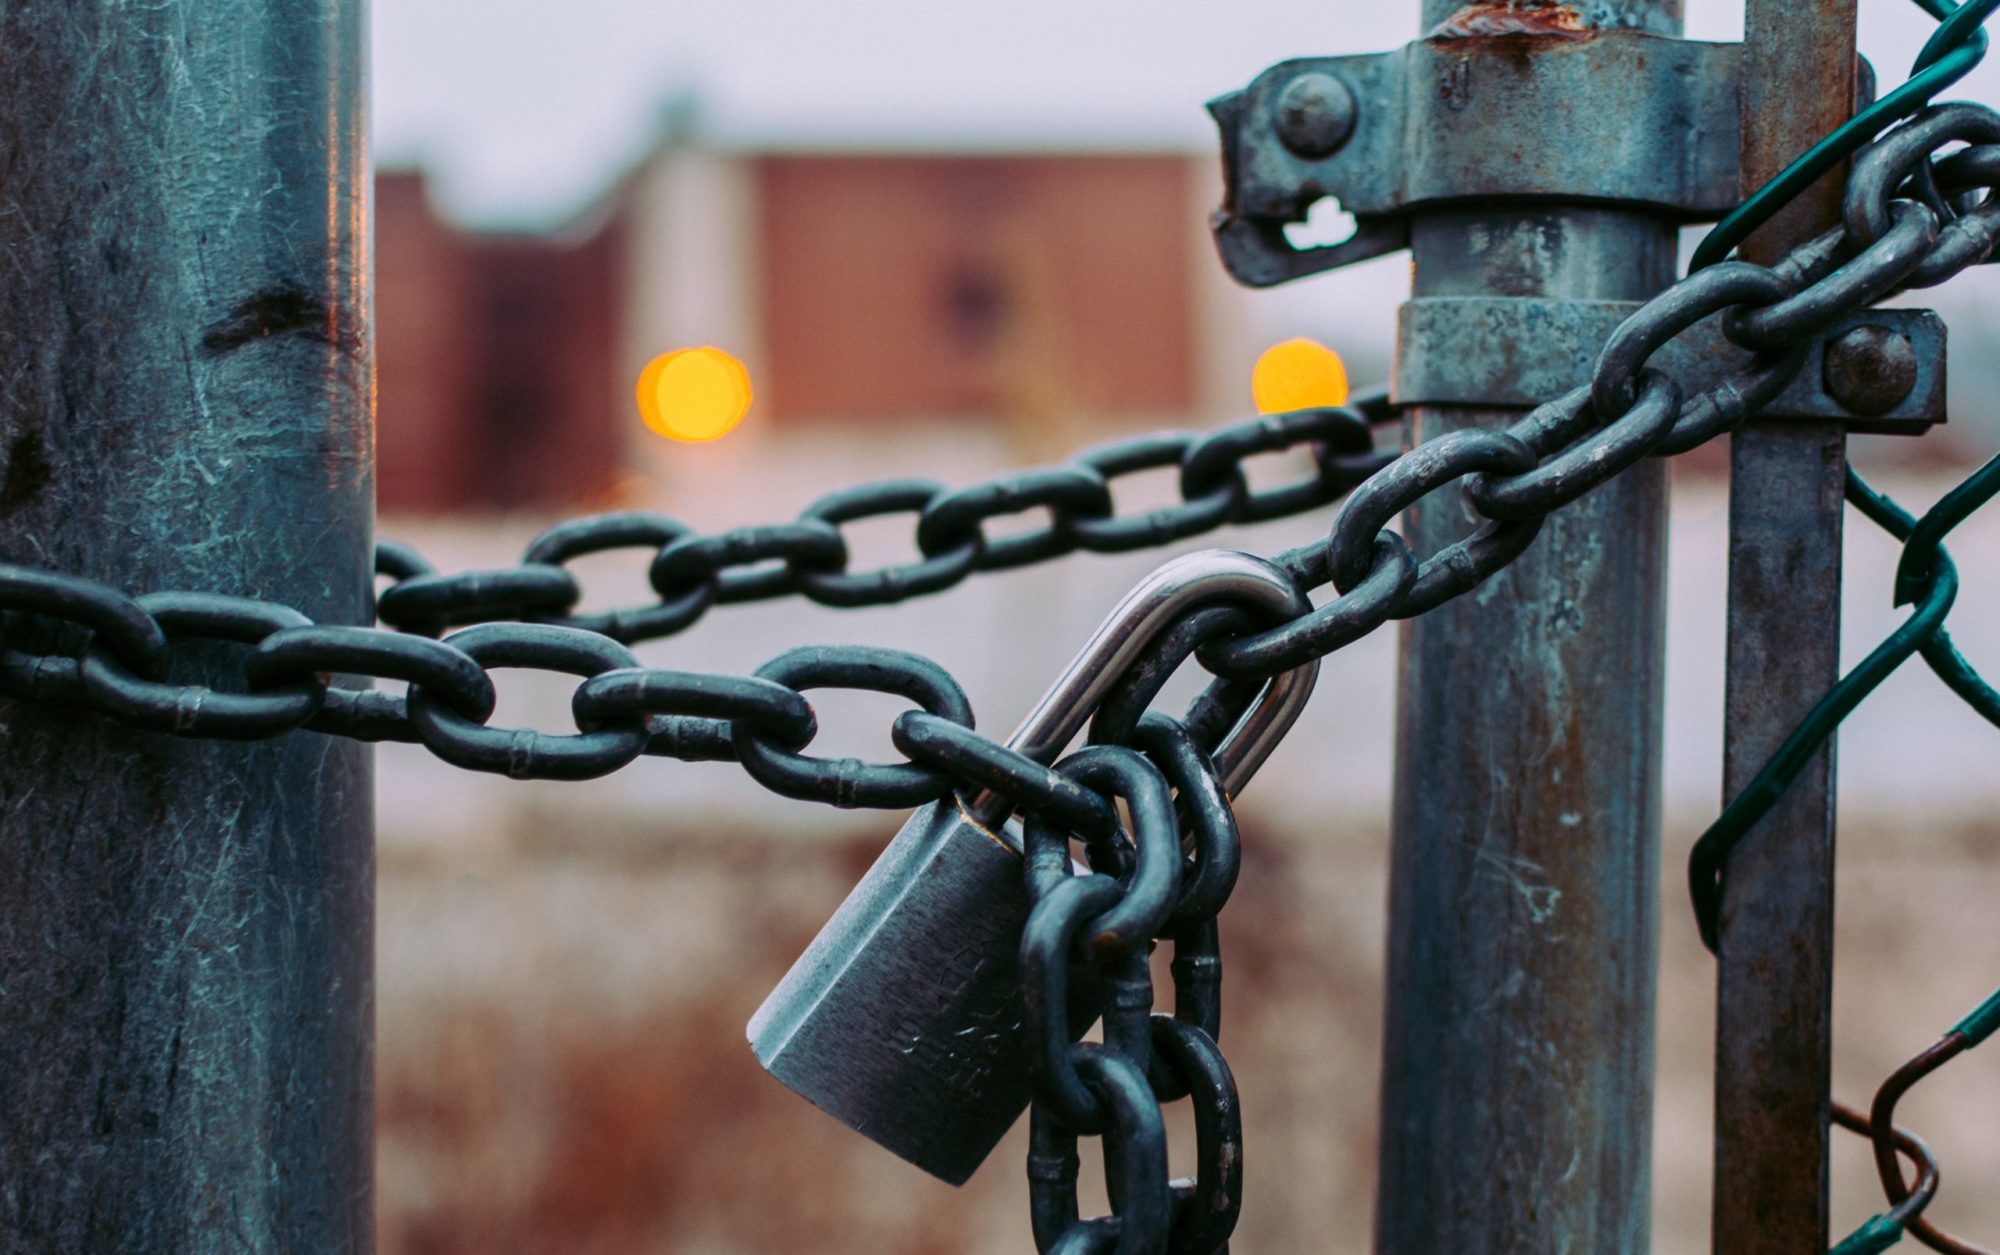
1775,984
1496,18
1517,1079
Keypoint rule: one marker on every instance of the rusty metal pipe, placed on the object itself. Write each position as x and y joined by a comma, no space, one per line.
186,928
1518,1056
1774,995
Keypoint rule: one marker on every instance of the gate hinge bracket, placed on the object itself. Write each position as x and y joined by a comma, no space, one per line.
1613,117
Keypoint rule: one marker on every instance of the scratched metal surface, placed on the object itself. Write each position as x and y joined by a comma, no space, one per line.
1774,997
1517,1081
185,401
903,1019
1519,1037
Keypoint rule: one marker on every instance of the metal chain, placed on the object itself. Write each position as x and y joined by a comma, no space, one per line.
1140,889
808,557
68,639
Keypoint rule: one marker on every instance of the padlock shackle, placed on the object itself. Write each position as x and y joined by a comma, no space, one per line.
1156,602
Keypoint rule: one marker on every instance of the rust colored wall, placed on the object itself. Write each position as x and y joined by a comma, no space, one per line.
425,357
1020,289
498,360
932,286
548,382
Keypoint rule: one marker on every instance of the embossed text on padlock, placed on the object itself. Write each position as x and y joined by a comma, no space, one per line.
903,1018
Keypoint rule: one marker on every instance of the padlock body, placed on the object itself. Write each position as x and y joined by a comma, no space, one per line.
903,1018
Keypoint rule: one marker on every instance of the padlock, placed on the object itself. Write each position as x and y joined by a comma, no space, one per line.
903,1017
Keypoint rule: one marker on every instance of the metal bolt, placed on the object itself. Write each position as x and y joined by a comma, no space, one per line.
1315,115
1870,369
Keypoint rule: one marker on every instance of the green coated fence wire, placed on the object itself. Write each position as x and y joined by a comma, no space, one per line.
1958,45
1880,1232
1981,1022
1925,577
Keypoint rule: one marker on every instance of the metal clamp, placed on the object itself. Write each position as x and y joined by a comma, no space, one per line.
1879,371
1646,120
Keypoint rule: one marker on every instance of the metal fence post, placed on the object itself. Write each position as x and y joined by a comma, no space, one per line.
186,377
1518,1059
1774,1005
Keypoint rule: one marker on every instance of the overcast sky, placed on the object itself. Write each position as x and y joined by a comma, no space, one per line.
524,108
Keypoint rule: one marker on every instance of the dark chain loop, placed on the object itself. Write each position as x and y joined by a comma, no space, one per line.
698,566
603,533
1330,433
934,573
1345,619
120,623
1583,463
429,604
849,782
1215,851
1973,176
1135,1159
199,710
1154,885
1062,911
1067,492
1877,271
1414,476
323,651
1881,170
524,753
699,714
1205,511
976,762
1206,1209
1728,285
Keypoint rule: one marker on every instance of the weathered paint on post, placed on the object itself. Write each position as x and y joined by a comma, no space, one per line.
186,379
1489,17
1774,1006
1518,1057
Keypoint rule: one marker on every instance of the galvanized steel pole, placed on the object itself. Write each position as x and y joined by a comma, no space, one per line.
1774,1003
1517,1078
186,376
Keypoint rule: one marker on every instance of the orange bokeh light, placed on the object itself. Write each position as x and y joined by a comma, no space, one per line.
1299,374
694,395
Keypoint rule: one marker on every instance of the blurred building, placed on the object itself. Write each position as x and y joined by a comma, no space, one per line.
1056,293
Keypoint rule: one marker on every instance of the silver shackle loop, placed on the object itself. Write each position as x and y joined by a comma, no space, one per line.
1156,602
